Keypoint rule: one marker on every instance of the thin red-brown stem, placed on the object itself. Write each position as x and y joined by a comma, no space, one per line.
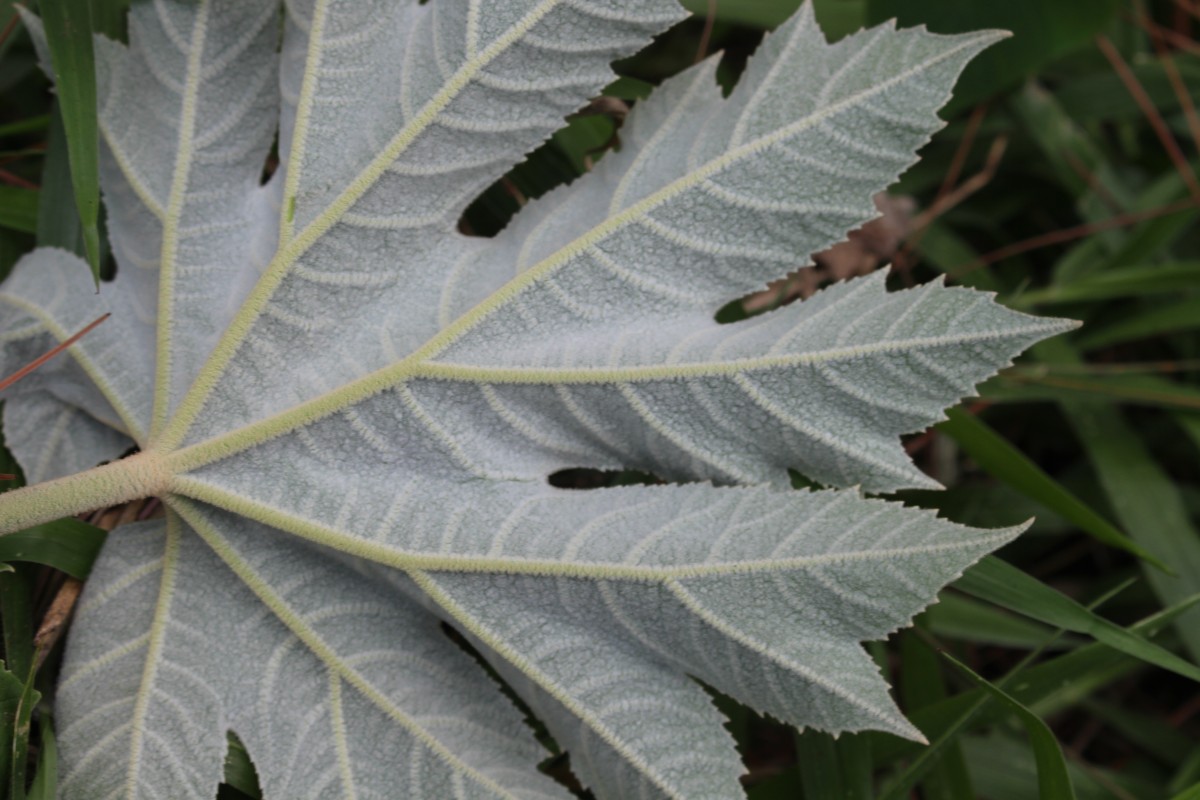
710,19
1093,181
1156,121
1177,39
16,180
7,477
1188,7
1070,234
42,359
967,188
963,150
949,200
9,28
1172,71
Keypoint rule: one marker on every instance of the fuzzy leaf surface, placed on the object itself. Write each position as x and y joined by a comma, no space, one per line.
350,410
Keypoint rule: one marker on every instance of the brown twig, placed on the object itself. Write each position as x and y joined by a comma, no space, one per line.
16,180
1188,7
965,189
9,28
1172,71
1178,40
1070,234
710,20
37,362
963,150
55,620
1093,182
1151,112
948,200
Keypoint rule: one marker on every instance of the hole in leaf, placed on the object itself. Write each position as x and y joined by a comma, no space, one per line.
241,778
878,242
583,478
569,153
556,765
270,163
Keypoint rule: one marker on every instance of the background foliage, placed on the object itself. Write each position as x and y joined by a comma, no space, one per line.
1066,182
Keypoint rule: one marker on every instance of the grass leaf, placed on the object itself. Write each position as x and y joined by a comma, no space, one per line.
69,34
997,581
1053,781
1004,462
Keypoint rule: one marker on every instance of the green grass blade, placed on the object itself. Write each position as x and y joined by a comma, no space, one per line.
27,125
1156,321
17,616
1050,686
944,721
10,700
1006,463
1187,777
1156,737
57,220
857,764
1143,496
18,208
921,684
820,775
1190,793
22,725
45,782
965,619
1053,781
1000,583
1072,390
69,34
1144,279
69,545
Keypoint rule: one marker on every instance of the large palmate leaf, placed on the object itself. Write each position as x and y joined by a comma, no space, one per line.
351,410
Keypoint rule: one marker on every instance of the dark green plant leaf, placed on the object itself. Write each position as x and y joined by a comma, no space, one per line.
11,688
1156,320
1142,279
1004,462
69,545
69,34
58,219
18,620
1042,32
45,782
1053,781
18,208
1143,496
1000,583
966,619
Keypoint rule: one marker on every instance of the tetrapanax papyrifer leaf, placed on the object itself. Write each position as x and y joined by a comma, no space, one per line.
350,410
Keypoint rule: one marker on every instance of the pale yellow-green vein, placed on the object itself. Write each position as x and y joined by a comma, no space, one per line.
321,649
158,632
184,157
391,556
408,369
416,362
304,106
552,687
277,270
